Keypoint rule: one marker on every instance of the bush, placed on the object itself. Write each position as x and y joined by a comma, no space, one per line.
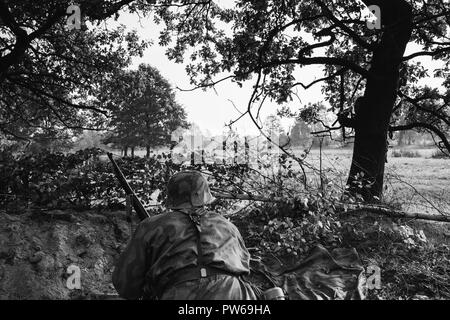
405,154
84,179
438,154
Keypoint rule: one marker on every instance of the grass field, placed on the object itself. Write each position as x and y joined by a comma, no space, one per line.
421,183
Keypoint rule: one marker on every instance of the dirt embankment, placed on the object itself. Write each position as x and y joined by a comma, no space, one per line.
37,247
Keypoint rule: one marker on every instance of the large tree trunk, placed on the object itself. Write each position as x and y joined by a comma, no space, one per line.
373,110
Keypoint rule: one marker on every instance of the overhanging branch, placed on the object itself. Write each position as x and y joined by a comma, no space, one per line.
426,126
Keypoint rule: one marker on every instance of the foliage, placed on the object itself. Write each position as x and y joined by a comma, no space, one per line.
49,75
419,273
143,108
85,179
291,229
49,179
273,39
368,82
300,134
88,139
401,153
438,154
412,265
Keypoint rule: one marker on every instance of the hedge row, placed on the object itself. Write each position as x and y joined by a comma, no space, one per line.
85,179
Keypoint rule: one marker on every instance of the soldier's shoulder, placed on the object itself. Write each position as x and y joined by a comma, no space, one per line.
220,221
156,223
164,218
215,216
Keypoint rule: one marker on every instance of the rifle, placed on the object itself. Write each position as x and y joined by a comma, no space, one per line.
137,204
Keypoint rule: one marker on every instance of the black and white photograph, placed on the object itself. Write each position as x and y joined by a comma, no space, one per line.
231,151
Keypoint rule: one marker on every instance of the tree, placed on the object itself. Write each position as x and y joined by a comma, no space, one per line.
369,81
300,134
275,131
88,139
143,109
50,76
50,141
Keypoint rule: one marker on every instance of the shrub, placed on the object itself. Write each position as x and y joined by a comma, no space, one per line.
82,180
405,154
438,154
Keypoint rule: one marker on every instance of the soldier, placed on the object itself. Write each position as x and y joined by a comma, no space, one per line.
187,252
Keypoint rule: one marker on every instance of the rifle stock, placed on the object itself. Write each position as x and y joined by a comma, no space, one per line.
137,205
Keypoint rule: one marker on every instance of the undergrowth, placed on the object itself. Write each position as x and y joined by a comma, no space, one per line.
412,266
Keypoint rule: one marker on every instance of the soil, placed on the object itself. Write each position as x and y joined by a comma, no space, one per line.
37,247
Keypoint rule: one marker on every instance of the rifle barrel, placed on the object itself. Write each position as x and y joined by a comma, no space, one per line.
137,204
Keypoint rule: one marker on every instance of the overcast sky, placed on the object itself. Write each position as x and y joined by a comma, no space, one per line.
211,109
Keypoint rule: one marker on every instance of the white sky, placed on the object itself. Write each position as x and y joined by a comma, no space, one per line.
211,109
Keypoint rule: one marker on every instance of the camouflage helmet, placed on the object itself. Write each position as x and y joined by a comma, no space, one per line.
188,189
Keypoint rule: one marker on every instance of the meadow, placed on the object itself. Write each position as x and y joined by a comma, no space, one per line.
419,183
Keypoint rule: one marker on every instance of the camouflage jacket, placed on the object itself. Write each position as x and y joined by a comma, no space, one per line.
166,243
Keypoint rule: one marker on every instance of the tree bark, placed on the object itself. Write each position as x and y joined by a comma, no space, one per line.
132,152
373,110
147,154
125,151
